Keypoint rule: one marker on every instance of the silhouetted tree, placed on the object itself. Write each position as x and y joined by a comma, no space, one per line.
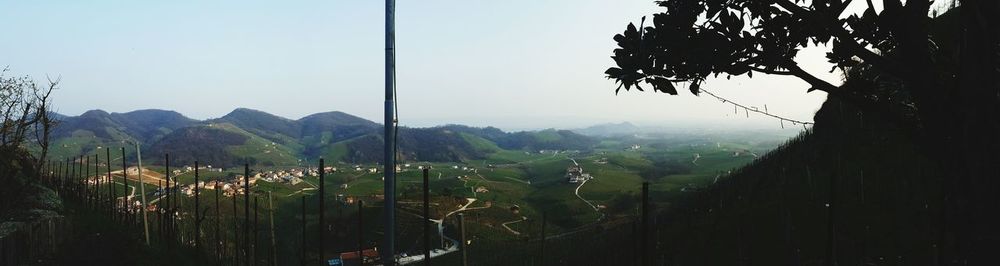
942,75
24,137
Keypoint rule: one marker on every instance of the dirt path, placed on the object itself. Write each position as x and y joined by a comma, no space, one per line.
513,222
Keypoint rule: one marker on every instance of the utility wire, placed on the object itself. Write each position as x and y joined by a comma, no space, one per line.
755,110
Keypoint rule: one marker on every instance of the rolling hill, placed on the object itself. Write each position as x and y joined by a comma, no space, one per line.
260,138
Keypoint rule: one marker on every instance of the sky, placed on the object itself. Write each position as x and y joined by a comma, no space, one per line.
518,64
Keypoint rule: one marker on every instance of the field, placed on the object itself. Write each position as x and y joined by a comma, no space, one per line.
533,182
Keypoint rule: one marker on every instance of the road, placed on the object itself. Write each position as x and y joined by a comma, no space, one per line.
440,226
513,222
577,193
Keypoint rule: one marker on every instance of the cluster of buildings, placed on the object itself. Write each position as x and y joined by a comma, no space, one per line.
229,188
574,174
185,169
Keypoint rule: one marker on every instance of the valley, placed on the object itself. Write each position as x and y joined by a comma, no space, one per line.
503,182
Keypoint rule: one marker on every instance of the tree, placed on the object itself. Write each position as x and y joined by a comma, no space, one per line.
27,120
944,79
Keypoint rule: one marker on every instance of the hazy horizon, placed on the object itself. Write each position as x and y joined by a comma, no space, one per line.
520,66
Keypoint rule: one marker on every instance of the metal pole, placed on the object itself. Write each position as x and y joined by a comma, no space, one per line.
361,230
142,189
127,200
302,249
159,211
427,221
218,218
389,244
72,171
274,244
111,182
170,210
256,232
645,224
322,220
236,237
461,236
542,240
86,179
246,210
98,178
197,212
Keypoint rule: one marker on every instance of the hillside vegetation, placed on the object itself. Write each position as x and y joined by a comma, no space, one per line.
259,138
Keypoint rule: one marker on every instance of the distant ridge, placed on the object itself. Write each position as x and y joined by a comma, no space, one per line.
258,137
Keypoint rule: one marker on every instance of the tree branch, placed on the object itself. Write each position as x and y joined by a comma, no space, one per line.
876,60
771,72
817,84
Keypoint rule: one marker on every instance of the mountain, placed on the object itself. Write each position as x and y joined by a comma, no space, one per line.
272,127
609,129
151,124
224,144
246,135
549,139
318,131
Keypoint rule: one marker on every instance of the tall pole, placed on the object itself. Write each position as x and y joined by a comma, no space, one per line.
218,217
302,249
246,210
322,220
361,230
197,212
128,199
427,221
142,189
645,224
389,244
274,244
85,165
111,182
170,211
463,246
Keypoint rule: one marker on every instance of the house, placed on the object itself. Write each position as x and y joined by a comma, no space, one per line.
373,170
482,189
343,186
574,174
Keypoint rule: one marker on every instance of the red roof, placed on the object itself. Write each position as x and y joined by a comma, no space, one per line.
353,255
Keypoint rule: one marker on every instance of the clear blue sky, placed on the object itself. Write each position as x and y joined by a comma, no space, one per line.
514,64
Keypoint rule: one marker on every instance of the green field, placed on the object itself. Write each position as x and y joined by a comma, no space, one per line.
531,180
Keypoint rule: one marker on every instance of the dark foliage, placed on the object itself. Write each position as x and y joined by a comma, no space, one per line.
201,143
262,124
338,125
26,120
936,80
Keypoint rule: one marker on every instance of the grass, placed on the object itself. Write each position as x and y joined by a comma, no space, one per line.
532,181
